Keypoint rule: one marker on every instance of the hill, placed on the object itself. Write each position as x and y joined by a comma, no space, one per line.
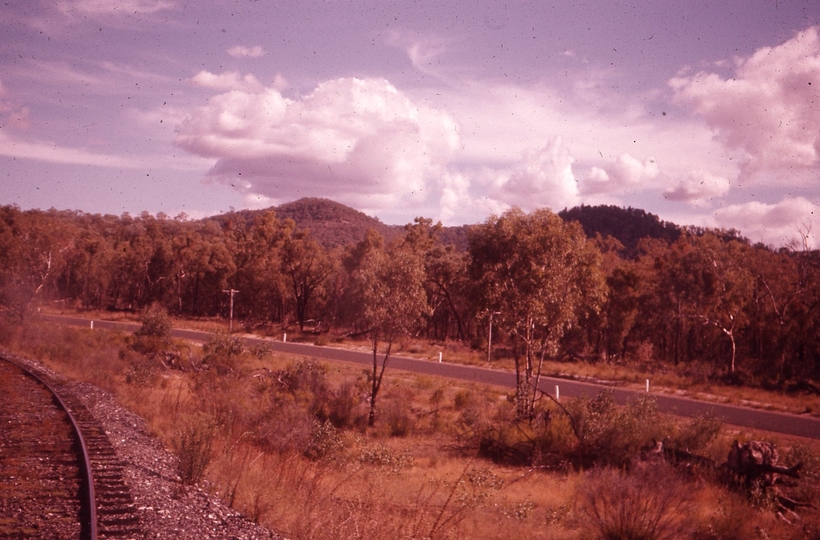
333,224
628,225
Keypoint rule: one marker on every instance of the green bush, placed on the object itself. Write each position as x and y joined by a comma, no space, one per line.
222,351
695,435
612,435
154,335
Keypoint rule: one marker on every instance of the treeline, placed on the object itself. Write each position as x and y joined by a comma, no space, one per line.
703,301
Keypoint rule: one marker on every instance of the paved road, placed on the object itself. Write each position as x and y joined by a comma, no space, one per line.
789,424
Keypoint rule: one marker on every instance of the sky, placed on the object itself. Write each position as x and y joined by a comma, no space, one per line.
704,113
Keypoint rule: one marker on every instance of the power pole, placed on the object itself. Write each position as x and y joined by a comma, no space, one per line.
231,292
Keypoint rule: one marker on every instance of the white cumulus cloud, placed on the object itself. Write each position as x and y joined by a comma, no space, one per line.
698,185
626,173
769,109
360,141
774,224
229,80
544,178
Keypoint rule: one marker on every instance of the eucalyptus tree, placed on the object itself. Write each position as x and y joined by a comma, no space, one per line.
256,247
702,281
34,246
306,267
787,309
390,301
725,286
446,275
537,274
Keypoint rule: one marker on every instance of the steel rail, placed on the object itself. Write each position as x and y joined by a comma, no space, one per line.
86,461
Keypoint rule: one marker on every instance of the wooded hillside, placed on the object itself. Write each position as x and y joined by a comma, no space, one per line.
618,285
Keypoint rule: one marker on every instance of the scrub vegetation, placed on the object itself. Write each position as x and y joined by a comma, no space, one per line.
332,451
287,441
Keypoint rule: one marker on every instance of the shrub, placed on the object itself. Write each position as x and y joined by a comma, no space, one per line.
463,399
384,458
344,408
697,433
287,428
306,382
324,441
155,322
808,488
261,350
222,351
142,371
398,418
611,435
155,333
193,446
649,503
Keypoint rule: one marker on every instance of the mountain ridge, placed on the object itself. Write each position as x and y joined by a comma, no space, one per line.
334,224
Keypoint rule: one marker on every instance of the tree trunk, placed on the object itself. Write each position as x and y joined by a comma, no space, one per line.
377,376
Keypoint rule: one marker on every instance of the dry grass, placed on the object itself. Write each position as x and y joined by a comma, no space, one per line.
411,476
662,380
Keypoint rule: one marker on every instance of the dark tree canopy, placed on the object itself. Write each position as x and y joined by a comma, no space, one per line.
597,283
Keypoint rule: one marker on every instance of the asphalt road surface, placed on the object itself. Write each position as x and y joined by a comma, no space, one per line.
777,422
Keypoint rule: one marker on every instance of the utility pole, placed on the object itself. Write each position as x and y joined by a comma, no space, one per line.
231,292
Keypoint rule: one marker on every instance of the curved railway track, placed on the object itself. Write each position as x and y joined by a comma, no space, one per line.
59,474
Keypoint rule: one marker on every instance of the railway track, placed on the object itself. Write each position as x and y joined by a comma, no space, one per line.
59,474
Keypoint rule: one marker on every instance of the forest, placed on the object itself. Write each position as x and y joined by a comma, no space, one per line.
590,284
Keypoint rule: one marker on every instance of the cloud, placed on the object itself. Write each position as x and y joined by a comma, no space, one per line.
11,113
698,186
60,17
112,7
360,141
773,224
55,153
626,173
229,80
454,194
423,51
240,51
769,109
544,178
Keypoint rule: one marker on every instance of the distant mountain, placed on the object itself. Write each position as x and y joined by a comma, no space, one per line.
333,224
628,225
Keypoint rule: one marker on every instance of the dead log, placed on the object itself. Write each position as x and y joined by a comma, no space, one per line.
756,459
